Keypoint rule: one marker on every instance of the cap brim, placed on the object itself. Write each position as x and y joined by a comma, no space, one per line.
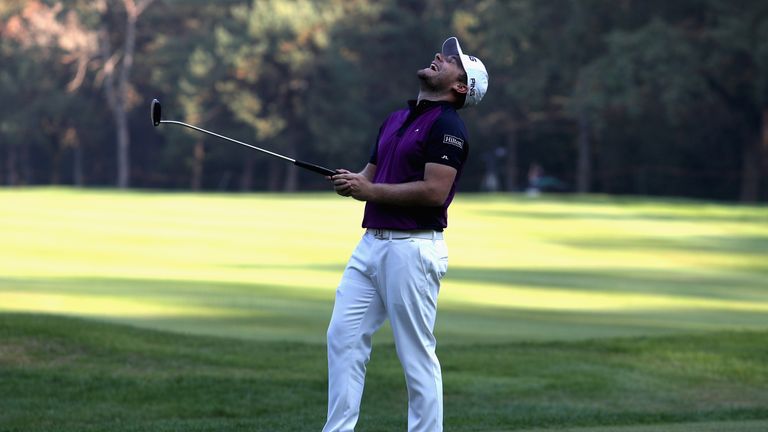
451,47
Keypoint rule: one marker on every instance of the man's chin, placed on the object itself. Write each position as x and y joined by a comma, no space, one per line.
426,82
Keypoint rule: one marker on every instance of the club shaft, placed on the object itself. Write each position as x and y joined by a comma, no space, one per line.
277,155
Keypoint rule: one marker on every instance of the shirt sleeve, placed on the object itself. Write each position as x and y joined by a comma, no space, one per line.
447,142
375,152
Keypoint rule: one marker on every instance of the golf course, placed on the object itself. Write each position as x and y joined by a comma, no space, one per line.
160,311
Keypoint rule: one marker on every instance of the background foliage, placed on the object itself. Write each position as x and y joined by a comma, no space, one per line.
621,97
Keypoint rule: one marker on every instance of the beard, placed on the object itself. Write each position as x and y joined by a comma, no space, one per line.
426,80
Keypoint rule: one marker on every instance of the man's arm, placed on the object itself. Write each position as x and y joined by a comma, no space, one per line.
431,192
369,171
342,187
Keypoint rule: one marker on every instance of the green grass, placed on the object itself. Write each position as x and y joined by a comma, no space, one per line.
573,313
266,266
71,375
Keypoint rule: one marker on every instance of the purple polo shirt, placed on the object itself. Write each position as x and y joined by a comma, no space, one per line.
431,132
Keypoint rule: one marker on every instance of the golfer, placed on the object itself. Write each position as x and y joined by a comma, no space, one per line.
396,269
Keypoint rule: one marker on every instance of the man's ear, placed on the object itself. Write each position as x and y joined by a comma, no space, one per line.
460,87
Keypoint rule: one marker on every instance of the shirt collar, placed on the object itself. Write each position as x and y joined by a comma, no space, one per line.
425,105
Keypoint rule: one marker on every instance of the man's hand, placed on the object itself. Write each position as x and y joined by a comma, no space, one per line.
355,185
339,186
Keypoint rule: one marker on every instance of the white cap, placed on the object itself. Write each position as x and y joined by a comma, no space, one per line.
477,75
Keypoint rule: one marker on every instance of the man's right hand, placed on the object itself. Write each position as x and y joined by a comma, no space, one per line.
341,186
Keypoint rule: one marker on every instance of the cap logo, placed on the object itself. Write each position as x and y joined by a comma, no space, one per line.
472,84
473,58
454,141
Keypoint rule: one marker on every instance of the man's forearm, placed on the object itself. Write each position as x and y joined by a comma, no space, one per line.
417,193
430,192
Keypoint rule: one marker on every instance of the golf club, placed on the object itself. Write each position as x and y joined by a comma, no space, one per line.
156,112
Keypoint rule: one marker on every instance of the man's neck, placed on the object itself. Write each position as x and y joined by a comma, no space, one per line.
434,97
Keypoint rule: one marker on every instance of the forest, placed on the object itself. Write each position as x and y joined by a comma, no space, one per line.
625,97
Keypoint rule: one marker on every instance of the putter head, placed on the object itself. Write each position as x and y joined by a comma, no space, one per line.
156,112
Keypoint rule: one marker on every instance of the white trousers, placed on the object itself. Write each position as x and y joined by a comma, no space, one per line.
397,279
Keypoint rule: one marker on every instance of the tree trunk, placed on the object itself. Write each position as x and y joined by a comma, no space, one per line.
246,179
750,170
117,93
511,165
11,168
123,148
77,166
56,166
26,166
275,175
764,150
291,180
584,164
198,159
291,174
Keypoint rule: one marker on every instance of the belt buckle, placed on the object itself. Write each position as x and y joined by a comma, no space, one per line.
378,233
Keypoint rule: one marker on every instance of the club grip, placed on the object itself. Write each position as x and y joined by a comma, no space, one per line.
316,168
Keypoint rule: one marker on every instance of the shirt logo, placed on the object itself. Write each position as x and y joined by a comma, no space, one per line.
454,141
444,157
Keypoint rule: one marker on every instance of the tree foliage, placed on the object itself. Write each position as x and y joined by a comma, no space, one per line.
628,96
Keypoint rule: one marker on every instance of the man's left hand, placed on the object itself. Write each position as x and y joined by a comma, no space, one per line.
352,184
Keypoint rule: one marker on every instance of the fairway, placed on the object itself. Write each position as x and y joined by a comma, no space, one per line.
582,314
265,267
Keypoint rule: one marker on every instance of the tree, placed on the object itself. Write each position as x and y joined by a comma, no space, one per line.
117,65
676,63
736,70
270,51
534,51
81,44
37,49
368,70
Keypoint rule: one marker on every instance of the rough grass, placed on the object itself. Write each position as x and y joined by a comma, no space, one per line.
71,375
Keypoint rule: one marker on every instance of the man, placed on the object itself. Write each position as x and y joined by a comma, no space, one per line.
396,269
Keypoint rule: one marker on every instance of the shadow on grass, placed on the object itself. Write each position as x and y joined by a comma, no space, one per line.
202,292
253,311
725,287
264,312
641,215
742,245
549,206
